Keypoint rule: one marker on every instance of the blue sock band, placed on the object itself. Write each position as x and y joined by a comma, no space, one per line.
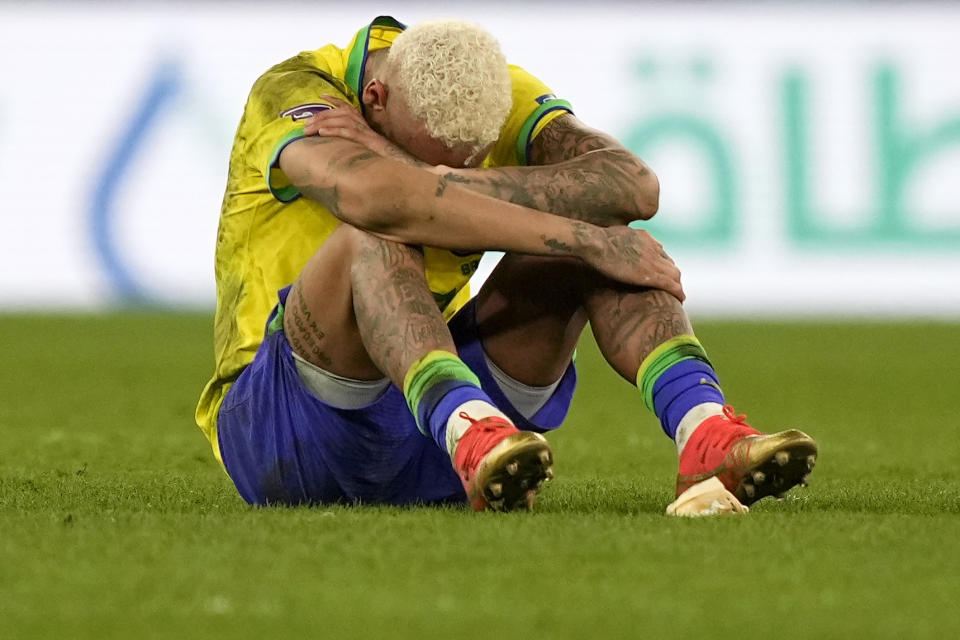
680,388
445,405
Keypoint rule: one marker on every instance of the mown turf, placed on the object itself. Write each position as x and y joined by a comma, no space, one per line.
115,522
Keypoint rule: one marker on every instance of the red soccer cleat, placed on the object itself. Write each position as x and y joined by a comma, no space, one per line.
750,464
501,467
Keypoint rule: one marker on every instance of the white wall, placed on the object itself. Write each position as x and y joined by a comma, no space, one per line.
809,156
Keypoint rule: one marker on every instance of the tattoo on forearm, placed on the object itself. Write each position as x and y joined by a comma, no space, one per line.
603,185
358,158
441,187
557,246
453,177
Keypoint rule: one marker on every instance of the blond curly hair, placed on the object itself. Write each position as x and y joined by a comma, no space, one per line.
454,79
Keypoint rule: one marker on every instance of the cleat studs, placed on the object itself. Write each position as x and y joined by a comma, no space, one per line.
548,473
525,483
545,458
496,505
811,462
782,495
512,467
782,457
496,489
749,490
805,480
759,477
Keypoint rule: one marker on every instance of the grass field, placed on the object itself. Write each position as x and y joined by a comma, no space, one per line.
115,521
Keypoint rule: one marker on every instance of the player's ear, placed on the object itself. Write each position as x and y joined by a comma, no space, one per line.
374,96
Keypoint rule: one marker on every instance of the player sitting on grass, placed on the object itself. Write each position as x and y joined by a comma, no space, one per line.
374,379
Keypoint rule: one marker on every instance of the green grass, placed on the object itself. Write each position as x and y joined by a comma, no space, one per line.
115,522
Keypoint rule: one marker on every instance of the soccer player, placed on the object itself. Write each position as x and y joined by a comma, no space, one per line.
352,366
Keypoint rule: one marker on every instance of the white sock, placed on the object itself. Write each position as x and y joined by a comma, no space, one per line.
456,426
525,398
693,419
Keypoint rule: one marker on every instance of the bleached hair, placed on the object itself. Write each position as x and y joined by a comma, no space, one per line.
455,80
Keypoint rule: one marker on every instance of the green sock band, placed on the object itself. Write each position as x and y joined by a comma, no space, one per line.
431,370
674,350
277,323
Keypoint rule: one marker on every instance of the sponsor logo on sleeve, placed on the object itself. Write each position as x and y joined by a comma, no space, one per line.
304,111
545,97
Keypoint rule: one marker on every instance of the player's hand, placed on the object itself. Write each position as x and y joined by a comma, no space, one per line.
633,256
345,121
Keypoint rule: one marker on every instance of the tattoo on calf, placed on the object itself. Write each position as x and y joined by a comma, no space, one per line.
639,320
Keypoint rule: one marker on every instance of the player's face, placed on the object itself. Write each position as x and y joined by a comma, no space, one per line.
395,121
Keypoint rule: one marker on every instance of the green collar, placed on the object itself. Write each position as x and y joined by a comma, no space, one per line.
357,59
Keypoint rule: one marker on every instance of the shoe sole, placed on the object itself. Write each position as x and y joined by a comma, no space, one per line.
775,464
512,473
765,465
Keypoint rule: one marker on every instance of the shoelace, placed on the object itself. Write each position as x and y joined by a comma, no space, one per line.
721,440
729,413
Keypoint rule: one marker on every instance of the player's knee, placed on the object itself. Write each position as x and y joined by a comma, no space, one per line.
372,258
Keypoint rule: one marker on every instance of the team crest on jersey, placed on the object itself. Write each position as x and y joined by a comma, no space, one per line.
545,97
304,111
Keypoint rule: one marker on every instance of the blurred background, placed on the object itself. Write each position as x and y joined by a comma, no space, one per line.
809,154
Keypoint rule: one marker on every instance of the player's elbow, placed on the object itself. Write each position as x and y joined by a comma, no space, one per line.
647,193
637,184
376,204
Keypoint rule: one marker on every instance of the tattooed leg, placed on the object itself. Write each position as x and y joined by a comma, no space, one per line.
370,320
630,322
397,316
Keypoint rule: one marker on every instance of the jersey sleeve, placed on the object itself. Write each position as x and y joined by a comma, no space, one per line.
534,106
278,106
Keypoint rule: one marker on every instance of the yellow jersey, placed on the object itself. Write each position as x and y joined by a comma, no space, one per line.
267,232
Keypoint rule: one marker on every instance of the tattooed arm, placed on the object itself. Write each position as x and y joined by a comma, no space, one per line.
578,173
409,204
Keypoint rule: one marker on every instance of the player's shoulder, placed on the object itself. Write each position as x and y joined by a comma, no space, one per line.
295,71
296,82
520,77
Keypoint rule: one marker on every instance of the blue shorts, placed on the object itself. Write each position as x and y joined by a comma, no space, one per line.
282,445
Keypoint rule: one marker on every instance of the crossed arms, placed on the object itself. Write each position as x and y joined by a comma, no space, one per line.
577,173
572,203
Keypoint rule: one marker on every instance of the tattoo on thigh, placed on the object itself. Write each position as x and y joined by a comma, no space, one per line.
307,336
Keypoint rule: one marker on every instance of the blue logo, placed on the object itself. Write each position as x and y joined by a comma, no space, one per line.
165,84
